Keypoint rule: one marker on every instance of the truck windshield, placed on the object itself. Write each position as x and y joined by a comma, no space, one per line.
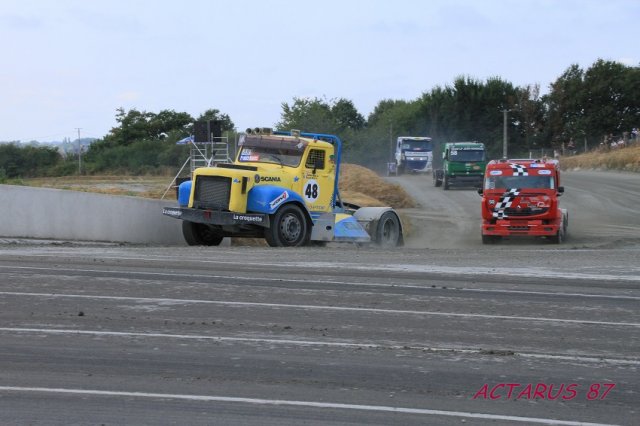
266,154
510,182
416,145
466,155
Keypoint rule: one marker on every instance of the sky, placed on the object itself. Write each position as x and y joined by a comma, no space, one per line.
69,64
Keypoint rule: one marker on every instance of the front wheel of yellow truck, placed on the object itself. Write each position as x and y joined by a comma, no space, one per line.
289,228
199,234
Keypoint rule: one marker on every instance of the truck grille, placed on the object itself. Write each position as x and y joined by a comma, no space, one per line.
212,192
524,212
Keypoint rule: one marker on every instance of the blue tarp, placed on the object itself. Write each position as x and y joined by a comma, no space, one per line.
185,141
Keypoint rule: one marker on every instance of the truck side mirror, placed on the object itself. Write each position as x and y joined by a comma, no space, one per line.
480,191
560,190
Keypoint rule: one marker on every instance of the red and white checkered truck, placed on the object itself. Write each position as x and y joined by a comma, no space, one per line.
520,198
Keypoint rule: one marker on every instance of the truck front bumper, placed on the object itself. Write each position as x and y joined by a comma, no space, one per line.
215,217
464,179
418,166
532,228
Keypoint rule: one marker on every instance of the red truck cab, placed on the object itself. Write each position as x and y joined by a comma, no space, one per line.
520,198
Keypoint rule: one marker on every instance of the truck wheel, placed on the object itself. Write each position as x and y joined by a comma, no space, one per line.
556,239
436,182
288,228
445,183
490,239
199,234
560,236
388,230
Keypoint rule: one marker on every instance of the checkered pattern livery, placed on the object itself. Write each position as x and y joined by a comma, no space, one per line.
519,170
505,202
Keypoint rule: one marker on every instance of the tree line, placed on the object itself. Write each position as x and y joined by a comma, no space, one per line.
582,106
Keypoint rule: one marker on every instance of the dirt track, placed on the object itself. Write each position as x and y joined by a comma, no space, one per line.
603,211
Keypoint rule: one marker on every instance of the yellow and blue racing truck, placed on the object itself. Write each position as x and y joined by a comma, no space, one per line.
283,187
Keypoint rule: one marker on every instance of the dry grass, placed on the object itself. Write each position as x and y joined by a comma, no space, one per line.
138,186
627,159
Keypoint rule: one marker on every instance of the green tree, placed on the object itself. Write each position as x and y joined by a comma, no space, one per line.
587,105
346,116
565,117
307,114
531,112
611,98
27,161
145,141
473,110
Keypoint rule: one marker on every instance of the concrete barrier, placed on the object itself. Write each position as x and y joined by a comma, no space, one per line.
46,213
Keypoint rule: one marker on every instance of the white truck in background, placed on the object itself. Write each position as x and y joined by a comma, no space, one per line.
414,154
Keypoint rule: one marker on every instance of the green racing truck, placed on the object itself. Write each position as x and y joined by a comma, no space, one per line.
463,164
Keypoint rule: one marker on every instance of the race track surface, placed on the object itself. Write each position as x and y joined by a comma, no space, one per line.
444,331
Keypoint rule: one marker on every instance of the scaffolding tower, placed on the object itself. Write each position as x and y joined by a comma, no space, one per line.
202,154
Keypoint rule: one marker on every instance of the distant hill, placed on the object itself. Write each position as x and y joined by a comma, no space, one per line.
65,146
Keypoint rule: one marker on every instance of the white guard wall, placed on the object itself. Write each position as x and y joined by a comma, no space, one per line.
46,213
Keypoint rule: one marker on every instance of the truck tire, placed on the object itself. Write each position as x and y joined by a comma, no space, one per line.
289,228
445,183
388,232
560,236
436,182
199,234
490,239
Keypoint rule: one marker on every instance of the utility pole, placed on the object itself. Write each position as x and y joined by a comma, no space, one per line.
79,152
391,141
504,134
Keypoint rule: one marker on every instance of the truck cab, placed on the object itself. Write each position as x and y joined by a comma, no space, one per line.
283,187
414,154
520,198
463,164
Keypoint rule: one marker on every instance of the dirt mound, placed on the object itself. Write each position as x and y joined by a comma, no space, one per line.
362,186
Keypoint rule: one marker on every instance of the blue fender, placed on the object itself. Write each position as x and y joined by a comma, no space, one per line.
184,192
268,198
